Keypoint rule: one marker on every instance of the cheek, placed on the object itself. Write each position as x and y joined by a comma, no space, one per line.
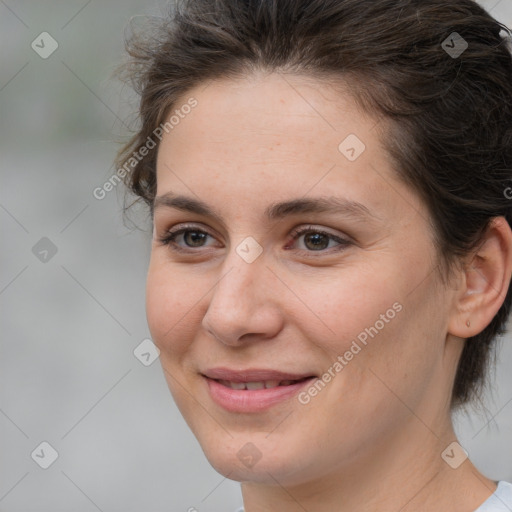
348,305
375,323
169,306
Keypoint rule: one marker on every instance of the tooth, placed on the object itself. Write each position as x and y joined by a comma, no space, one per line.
237,385
267,384
255,385
232,385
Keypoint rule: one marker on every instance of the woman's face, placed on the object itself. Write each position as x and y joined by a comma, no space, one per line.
257,286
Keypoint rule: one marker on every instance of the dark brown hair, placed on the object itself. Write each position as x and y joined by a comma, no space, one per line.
448,116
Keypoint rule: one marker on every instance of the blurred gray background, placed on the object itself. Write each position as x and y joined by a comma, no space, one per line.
72,288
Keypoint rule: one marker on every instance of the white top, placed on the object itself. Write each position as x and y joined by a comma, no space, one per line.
500,501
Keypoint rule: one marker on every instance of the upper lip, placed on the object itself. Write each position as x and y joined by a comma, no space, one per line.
252,375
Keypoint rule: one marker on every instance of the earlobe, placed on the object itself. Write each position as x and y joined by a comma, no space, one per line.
485,282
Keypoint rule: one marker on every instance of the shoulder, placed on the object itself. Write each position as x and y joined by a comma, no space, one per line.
500,501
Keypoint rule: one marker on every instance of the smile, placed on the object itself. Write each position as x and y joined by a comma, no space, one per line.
267,384
253,397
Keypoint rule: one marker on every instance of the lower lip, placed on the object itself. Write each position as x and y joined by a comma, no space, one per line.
255,400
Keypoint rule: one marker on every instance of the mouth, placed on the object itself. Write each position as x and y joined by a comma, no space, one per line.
254,396
262,384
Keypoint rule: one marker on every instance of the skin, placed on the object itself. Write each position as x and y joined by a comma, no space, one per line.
372,438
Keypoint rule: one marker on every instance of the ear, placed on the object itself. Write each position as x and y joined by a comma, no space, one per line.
485,282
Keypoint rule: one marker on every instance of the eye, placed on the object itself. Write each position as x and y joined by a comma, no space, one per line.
190,236
318,240
186,238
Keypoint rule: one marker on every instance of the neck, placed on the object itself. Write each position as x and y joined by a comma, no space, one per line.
404,473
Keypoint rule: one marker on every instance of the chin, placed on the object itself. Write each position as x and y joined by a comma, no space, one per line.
241,460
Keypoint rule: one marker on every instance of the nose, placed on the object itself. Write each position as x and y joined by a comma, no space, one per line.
244,304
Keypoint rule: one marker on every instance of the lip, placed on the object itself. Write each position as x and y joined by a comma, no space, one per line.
252,401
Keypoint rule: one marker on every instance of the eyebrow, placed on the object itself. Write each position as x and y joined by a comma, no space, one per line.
274,211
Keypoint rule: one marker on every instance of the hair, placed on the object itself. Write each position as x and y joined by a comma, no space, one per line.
448,117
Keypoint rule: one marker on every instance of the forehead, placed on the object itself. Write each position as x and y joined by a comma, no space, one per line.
269,109
273,137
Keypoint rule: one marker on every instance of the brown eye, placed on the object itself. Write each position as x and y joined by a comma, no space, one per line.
185,238
194,238
317,240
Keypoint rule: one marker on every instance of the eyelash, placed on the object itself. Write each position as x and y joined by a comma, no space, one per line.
170,237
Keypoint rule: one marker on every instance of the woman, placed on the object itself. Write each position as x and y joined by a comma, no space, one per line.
332,251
